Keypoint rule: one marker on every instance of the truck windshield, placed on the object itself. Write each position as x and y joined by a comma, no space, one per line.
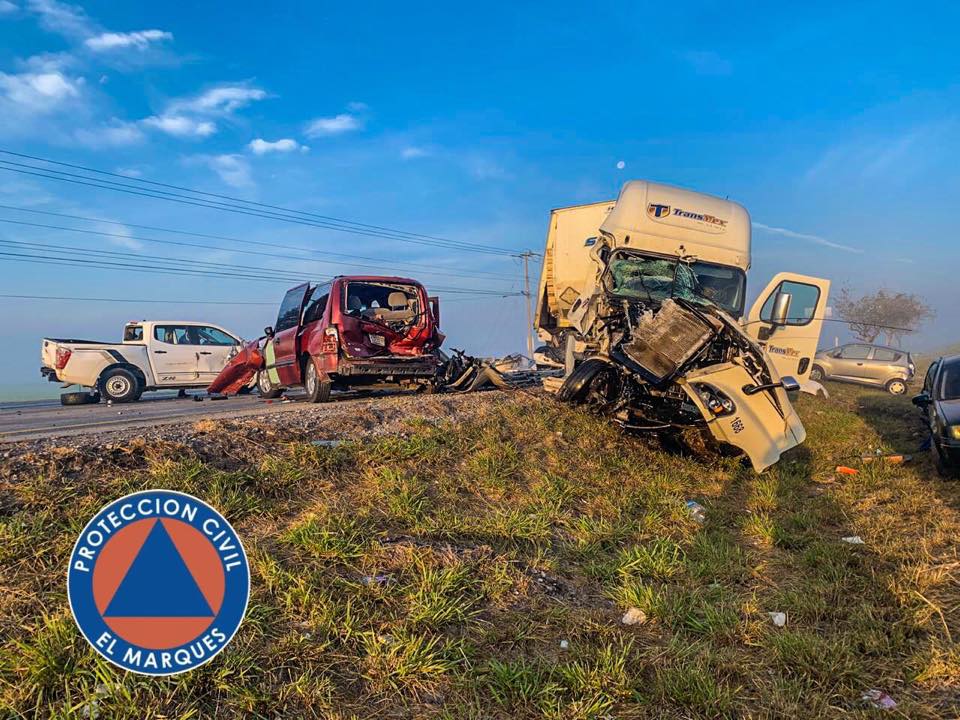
643,277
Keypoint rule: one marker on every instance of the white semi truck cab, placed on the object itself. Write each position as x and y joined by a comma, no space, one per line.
645,296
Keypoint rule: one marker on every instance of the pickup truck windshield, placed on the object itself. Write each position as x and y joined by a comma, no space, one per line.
655,279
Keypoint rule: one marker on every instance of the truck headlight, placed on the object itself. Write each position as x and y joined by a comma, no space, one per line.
715,400
953,432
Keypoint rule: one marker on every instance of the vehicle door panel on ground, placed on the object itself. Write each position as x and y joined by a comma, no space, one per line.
791,340
173,355
285,335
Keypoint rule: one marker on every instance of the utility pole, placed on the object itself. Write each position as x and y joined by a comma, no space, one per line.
529,299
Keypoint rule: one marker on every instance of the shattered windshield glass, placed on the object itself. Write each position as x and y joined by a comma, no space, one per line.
655,279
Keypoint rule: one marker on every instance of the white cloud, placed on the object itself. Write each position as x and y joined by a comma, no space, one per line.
7,7
816,239
357,107
234,170
412,152
63,19
34,93
139,40
220,100
259,146
116,133
336,125
181,126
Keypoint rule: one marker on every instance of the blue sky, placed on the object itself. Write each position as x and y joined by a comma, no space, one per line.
835,124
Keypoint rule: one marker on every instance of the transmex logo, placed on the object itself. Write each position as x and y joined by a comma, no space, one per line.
658,211
158,582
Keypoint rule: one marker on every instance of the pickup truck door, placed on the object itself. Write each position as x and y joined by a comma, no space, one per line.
792,345
285,335
173,356
214,348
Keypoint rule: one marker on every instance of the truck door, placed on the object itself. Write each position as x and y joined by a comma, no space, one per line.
791,340
285,335
214,348
173,356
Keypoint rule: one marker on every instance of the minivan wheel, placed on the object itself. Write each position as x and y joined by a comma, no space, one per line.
816,373
266,387
318,391
896,387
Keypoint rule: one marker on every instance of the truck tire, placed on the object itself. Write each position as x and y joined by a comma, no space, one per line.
266,388
318,390
120,386
79,398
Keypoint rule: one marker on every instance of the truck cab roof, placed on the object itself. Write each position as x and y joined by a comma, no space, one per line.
673,221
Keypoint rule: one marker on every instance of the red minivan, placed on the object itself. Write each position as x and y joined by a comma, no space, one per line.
354,330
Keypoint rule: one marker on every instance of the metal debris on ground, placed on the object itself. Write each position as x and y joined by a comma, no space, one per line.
697,511
895,459
778,618
634,616
879,700
564,644
853,540
327,443
375,580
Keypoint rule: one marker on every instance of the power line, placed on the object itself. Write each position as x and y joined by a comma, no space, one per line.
12,296
241,200
292,216
162,269
133,300
429,268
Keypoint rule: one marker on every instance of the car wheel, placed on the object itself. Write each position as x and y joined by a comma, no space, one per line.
79,398
896,387
318,391
266,387
816,373
120,385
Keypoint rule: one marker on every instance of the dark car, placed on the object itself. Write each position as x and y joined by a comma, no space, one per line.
940,403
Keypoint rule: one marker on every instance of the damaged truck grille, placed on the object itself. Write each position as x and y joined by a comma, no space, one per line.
662,342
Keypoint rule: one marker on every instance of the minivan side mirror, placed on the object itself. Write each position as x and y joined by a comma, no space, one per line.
781,309
921,400
268,331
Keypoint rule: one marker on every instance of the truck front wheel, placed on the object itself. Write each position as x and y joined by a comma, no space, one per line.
120,385
318,391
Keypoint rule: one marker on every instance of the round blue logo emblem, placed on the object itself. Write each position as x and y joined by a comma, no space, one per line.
158,582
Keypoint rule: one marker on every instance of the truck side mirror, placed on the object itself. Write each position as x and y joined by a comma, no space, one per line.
268,331
789,383
781,309
921,400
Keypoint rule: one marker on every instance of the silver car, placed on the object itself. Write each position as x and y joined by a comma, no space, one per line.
877,365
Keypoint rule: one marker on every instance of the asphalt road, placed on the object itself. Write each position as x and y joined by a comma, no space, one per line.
48,418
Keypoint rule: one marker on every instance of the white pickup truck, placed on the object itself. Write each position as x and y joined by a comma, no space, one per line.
154,355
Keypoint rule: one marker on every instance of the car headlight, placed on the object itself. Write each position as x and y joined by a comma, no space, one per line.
953,432
717,402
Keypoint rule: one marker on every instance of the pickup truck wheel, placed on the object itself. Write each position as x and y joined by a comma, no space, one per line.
266,387
317,390
120,385
79,398
816,373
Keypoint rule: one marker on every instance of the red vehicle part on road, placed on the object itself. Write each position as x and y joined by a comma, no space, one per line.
354,330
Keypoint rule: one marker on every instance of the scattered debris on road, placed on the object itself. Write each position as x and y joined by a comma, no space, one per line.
853,540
